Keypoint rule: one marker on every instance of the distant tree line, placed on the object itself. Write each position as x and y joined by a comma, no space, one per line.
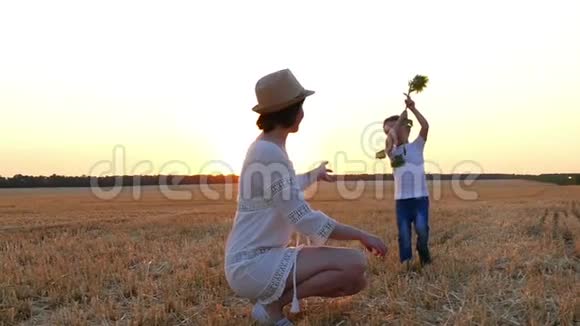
27,181
558,178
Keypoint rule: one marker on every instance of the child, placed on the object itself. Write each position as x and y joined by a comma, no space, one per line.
411,194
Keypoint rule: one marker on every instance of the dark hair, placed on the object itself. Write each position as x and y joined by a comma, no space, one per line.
283,118
392,118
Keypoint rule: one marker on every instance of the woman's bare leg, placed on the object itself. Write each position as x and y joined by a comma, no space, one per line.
324,272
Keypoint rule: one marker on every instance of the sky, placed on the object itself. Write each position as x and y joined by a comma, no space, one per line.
168,87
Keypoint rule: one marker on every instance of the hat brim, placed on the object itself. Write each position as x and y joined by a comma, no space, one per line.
262,109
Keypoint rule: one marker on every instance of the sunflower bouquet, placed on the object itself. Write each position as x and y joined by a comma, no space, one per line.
417,85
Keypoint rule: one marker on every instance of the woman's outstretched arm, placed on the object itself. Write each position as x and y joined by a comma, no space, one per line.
305,180
371,242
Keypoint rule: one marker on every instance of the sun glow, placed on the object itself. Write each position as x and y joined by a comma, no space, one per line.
175,82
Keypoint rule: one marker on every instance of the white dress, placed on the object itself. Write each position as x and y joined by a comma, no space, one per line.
271,207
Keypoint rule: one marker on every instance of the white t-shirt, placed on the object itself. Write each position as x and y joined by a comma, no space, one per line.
410,181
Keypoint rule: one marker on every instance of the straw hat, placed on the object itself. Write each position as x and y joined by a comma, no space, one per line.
278,91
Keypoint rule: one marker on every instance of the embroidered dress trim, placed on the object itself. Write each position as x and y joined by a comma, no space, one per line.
246,255
297,214
326,229
249,205
273,291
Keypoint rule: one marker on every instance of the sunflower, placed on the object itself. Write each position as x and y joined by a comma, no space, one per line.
418,84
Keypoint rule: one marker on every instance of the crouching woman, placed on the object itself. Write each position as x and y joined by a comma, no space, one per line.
259,263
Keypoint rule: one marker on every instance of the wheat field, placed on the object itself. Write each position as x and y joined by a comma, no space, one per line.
511,257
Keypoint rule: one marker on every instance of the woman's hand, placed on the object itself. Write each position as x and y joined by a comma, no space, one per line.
374,244
322,173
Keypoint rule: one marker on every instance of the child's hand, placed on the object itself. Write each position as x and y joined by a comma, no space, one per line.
410,104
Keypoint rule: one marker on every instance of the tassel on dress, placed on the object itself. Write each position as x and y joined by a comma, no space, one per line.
295,308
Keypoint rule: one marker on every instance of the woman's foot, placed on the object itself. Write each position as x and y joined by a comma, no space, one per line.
270,315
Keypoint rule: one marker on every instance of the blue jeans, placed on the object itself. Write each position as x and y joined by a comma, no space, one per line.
413,211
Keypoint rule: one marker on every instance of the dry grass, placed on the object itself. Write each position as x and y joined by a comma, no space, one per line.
511,257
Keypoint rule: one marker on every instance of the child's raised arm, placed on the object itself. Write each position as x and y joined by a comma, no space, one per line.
422,121
391,141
